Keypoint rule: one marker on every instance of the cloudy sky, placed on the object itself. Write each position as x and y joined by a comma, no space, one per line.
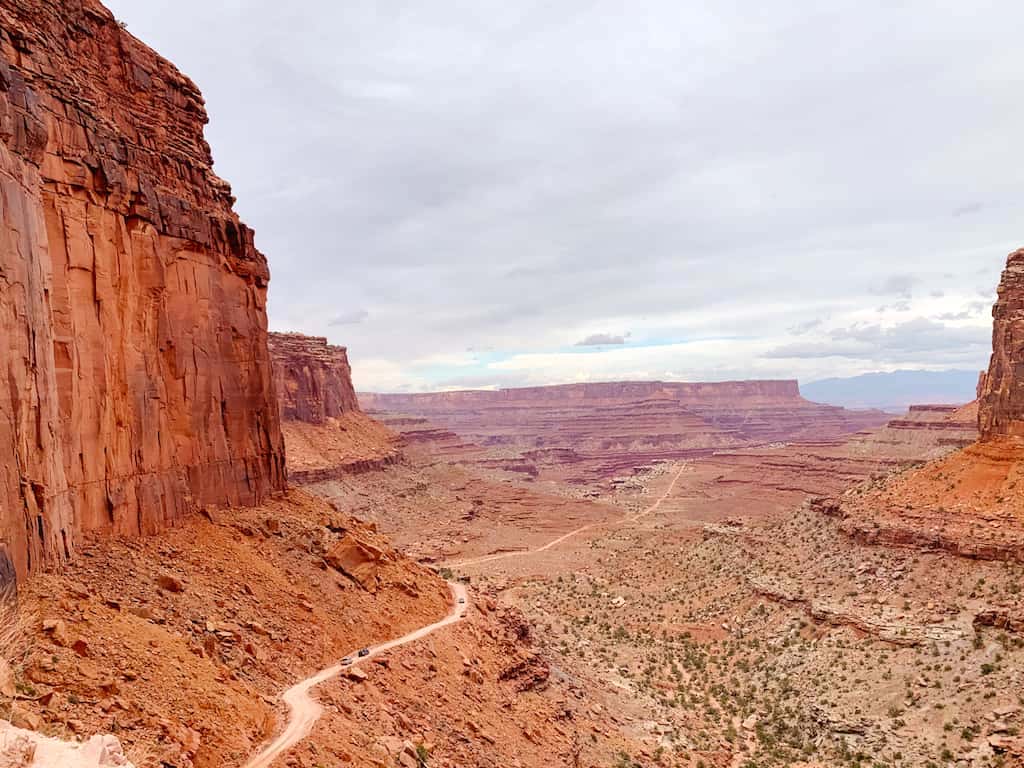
503,192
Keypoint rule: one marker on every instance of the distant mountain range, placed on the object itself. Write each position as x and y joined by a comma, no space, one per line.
894,391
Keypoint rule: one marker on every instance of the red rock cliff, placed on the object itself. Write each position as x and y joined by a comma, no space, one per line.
313,378
1001,399
137,381
596,393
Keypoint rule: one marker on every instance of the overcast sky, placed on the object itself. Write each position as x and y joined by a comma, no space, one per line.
504,192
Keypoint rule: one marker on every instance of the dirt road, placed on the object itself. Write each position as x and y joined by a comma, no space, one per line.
576,532
304,710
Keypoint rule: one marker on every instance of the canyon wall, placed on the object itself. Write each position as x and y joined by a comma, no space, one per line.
591,394
313,378
137,382
592,432
1001,399
968,501
326,434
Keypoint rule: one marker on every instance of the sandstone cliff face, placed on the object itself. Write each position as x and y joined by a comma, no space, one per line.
968,501
593,394
326,434
313,378
591,432
1001,400
137,381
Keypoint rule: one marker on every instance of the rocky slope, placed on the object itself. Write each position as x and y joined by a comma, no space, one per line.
133,330
181,642
591,432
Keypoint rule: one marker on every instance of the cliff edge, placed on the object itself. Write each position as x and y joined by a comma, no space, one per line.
133,326
1001,389
967,502
326,433
313,378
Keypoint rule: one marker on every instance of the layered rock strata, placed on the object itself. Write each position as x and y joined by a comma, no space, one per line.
591,432
1001,400
967,502
133,325
326,433
313,378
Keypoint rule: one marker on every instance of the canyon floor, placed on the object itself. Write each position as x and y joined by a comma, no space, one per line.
725,610
709,613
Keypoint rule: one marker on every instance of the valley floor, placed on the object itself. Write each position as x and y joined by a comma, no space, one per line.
736,624
699,613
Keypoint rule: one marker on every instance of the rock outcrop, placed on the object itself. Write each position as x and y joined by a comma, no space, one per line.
325,432
1001,401
313,378
592,432
967,502
133,325
357,559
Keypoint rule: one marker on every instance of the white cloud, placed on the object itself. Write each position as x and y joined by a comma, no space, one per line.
517,176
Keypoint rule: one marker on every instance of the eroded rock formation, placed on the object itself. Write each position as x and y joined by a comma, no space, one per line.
133,323
967,502
313,378
601,393
588,432
1001,401
326,433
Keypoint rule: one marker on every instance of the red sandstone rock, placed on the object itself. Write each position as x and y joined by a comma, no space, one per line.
133,322
969,501
326,434
313,378
1001,409
585,432
358,559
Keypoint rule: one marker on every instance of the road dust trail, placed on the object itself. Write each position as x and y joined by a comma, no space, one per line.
570,534
304,710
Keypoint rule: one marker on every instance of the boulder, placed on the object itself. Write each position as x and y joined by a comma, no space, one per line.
57,630
25,718
170,583
21,748
7,689
357,559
